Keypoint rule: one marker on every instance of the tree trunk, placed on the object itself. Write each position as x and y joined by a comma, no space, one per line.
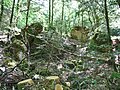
82,21
2,8
28,9
52,12
109,38
12,14
107,21
18,11
62,11
49,11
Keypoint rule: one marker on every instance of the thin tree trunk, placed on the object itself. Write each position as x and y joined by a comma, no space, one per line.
12,14
82,19
18,11
26,36
49,11
52,12
13,6
108,30
107,21
2,8
62,11
28,9
89,18
62,18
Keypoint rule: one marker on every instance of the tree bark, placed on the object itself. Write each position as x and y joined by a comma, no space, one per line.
13,6
49,11
52,12
28,9
18,11
26,38
107,21
2,8
62,11
12,14
109,38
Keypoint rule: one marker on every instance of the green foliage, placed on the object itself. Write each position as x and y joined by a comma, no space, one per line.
99,42
35,28
7,3
115,32
115,75
24,66
47,52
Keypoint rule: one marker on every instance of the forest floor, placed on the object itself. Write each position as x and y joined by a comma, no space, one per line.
83,69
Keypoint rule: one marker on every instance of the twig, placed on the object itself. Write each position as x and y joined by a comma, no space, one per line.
7,73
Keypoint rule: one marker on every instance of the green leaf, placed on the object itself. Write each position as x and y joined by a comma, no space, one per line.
115,75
